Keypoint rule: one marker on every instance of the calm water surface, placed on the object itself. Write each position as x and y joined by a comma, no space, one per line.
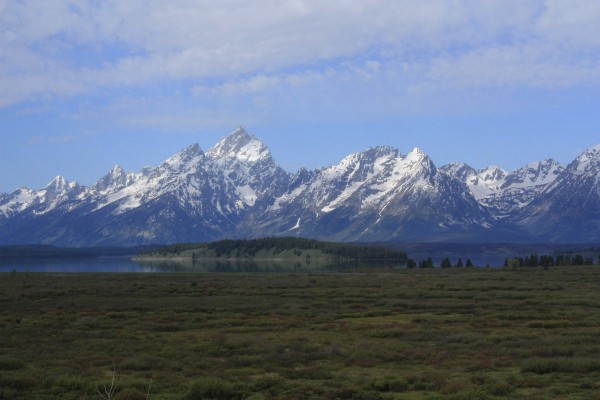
125,264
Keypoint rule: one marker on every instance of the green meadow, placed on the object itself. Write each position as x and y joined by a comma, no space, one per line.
477,333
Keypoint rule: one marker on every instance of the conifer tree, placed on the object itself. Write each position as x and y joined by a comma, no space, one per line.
446,263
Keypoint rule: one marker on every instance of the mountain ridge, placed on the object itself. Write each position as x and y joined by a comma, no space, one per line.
237,190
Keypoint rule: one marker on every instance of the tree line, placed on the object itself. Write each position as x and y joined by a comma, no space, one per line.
546,261
445,263
250,247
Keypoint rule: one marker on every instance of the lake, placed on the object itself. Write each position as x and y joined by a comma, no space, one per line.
126,264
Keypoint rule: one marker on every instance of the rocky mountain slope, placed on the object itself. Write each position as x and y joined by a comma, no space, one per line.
237,190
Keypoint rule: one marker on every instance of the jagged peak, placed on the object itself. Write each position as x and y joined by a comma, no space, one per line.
416,155
587,162
490,168
455,164
58,184
185,155
592,152
193,149
595,148
458,168
20,191
240,145
115,177
117,170
382,151
540,168
146,170
492,173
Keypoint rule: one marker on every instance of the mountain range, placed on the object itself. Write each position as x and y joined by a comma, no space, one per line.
237,190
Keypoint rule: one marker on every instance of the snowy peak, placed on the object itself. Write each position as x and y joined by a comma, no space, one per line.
569,208
416,154
587,164
59,186
505,192
115,179
533,174
458,170
184,159
117,171
381,151
365,160
418,158
237,190
486,181
492,173
240,145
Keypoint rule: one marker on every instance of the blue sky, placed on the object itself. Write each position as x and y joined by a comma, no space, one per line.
85,85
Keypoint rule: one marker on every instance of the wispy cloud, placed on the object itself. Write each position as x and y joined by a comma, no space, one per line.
62,49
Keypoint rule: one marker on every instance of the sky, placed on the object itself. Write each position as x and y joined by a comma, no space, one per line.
88,84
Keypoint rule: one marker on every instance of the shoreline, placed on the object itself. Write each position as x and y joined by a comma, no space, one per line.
229,259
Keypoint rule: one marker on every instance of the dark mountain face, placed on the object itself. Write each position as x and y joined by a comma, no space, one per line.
237,190
568,210
377,195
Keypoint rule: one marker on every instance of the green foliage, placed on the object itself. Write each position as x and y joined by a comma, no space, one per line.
250,248
391,384
212,389
9,363
383,334
546,261
130,394
428,263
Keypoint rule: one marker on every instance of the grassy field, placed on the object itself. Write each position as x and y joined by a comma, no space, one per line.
386,334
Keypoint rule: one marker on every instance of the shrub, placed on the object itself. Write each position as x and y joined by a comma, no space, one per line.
214,389
500,389
130,394
11,364
391,385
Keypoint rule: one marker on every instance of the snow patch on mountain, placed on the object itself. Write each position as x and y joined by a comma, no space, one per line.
241,146
18,201
505,192
237,190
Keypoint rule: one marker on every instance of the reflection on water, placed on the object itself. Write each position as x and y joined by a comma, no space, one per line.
247,266
103,264
124,264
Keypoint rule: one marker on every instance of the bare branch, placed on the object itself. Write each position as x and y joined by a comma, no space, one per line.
109,391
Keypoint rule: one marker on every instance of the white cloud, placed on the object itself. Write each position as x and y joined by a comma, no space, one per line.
67,48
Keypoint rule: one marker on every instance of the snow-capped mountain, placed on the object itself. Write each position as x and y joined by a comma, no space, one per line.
378,194
236,189
190,196
57,193
502,192
569,208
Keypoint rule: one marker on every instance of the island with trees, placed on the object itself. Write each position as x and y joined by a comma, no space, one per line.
278,248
